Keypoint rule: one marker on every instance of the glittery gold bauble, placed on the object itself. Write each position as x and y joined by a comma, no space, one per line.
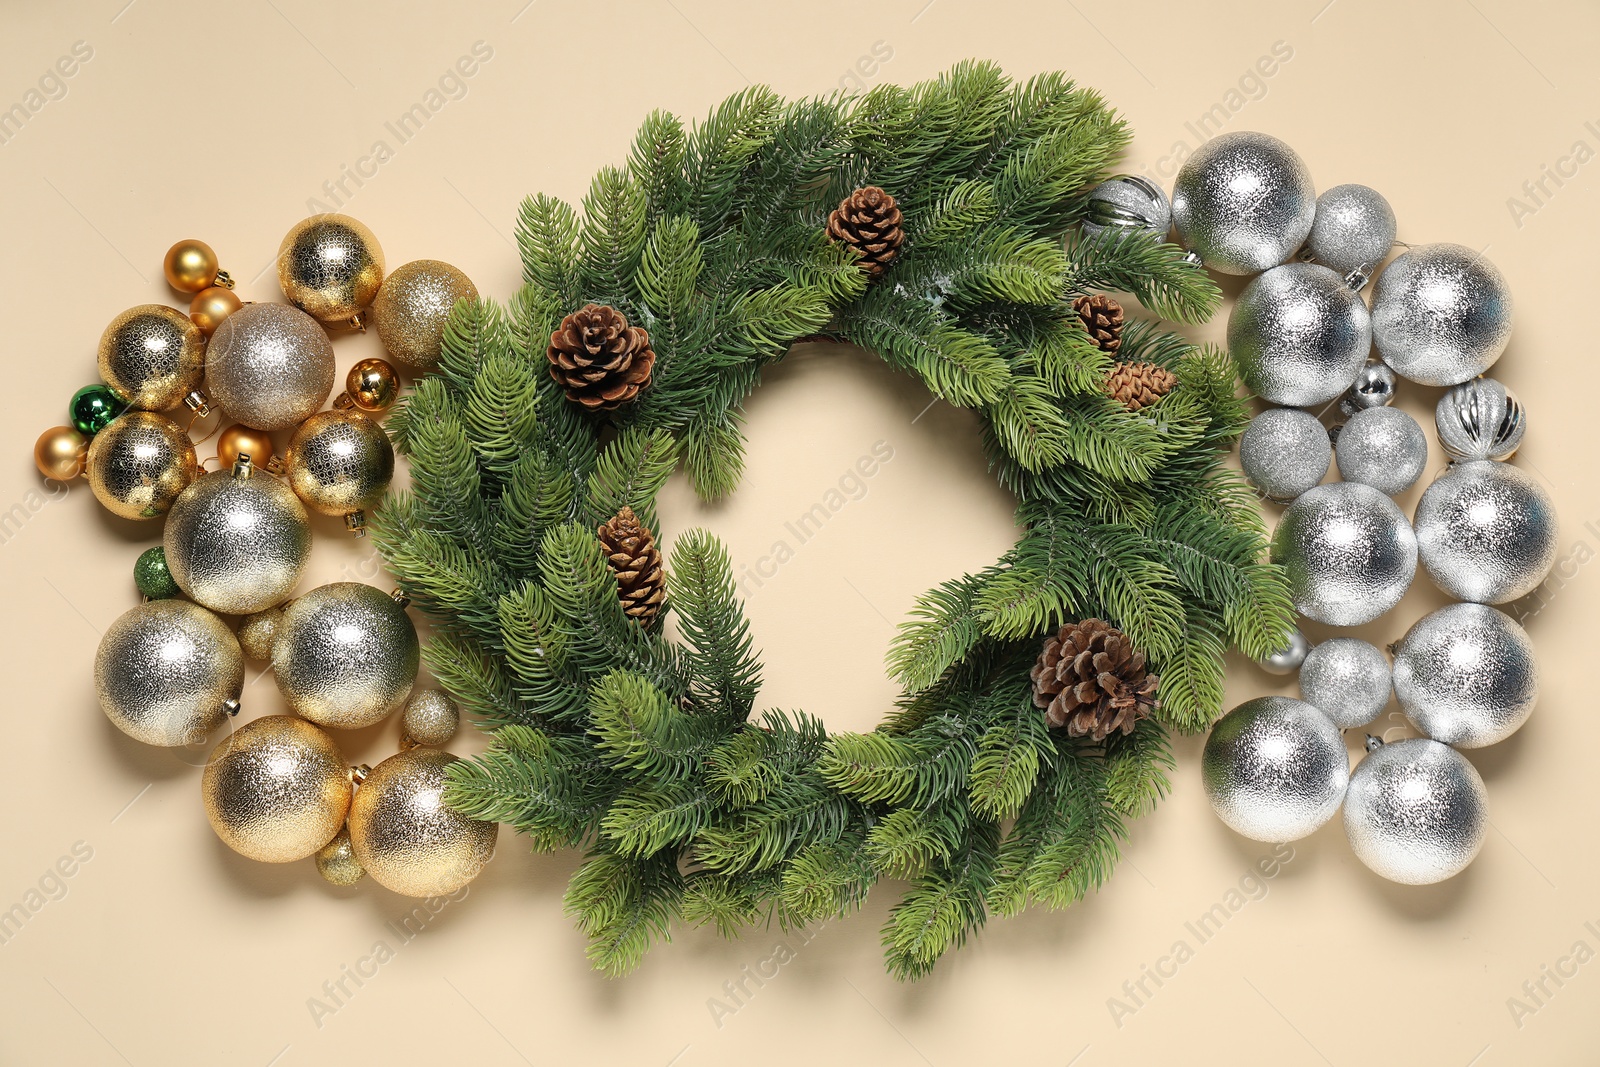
210,306
237,540
372,385
167,672
339,463
257,632
430,718
153,356
346,655
139,464
330,266
241,440
412,307
277,789
407,838
337,863
59,453
190,266
269,366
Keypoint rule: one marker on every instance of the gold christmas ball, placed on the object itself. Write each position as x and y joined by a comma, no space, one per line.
152,356
330,266
277,789
345,655
407,838
139,464
430,718
373,385
59,453
258,631
269,366
190,266
210,306
241,440
337,863
237,540
412,307
339,462
167,672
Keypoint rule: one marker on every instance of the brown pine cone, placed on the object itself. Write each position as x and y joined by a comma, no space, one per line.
633,556
868,221
1138,385
599,359
1090,679
1102,317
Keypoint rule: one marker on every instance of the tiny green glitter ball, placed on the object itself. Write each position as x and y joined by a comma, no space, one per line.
151,575
93,407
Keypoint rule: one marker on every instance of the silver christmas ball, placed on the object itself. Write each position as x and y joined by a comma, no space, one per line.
1466,675
1480,419
1243,202
1275,769
1353,231
1441,314
1287,659
236,541
1127,202
345,655
430,718
1416,811
1349,553
1374,387
1299,335
1486,532
1383,448
270,366
1284,452
168,672
1347,680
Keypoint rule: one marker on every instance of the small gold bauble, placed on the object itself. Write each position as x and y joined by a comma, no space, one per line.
190,266
339,462
237,540
412,307
277,789
337,863
210,306
139,464
241,440
405,835
430,718
330,266
59,453
269,366
167,672
258,631
373,385
152,356
345,655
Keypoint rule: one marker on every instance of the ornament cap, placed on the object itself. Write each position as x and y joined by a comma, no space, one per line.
359,772
223,280
1373,743
398,595
356,523
197,402
230,706
243,467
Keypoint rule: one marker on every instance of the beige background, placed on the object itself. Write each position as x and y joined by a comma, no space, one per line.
221,121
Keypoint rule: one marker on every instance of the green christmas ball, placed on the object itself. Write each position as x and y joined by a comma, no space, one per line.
151,575
93,407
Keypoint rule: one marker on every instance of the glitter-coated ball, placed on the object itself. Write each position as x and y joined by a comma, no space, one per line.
339,462
411,309
269,366
345,655
337,863
1299,335
152,577
1286,660
1383,448
1353,230
153,356
1284,452
1480,419
430,718
1244,202
405,835
1349,553
1486,532
166,672
277,789
1374,387
1127,202
1347,680
1275,769
258,631
139,464
330,266
237,541
1441,314
1466,675
1416,811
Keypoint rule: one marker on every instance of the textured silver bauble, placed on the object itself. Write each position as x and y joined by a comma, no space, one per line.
1243,202
1127,202
1374,387
430,718
1284,452
1441,314
1299,335
1416,811
1480,419
1347,680
1353,231
1486,532
236,541
1348,551
1383,448
276,790
1466,675
407,838
1287,659
345,655
168,672
1275,769
270,366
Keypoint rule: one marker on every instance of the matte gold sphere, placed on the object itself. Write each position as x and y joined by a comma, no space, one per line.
339,462
337,863
60,452
241,440
277,789
152,356
139,464
330,266
269,366
237,540
190,266
405,835
210,306
430,718
373,385
168,672
412,307
345,655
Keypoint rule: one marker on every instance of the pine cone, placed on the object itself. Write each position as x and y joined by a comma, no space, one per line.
634,558
868,221
1091,679
1102,317
1137,385
599,359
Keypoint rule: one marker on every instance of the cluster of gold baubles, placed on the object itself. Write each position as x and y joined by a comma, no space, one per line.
236,540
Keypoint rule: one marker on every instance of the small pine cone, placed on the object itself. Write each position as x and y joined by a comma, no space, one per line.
868,221
1090,679
634,558
1138,385
599,359
1102,317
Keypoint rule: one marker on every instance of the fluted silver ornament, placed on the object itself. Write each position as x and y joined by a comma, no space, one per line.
1352,233
236,541
345,655
1383,448
1275,769
168,672
1287,659
1347,680
1127,202
1348,552
1284,452
1299,335
1441,314
1243,202
270,366
1416,811
1486,532
1374,387
1480,419
1466,675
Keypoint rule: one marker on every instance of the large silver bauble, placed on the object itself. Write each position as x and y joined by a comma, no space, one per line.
1275,769
1124,203
1243,202
1384,448
1374,387
1480,419
1466,675
1347,680
1299,335
270,366
345,655
1441,314
168,672
236,541
1287,659
1284,452
1353,231
1349,553
1416,811
1486,532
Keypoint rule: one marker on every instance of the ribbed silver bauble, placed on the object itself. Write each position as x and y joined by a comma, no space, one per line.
1284,452
1349,553
168,672
1416,811
236,541
1127,202
1466,675
1374,387
1441,314
345,655
1353,231
1243,202
1299,335
1287,659
1384,448
1347,680
1275,769
1480,419
1486,532
270,366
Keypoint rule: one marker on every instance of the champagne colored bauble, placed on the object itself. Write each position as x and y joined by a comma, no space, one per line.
1243,202
241,440
258,631
345,655
330,266
407,838
1480,419
139,464
1353,231
168,672
1441,314
60,452
277,789
1284,452
153,356
372,386
269,366
1348,552
153,577
1382,447
337,863
430,718
190,266
1275,769
237,540
412,307
1288,657
1486,532
93,407
210,306
1347,680
339,463
1416,811
1466,675
1299,334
